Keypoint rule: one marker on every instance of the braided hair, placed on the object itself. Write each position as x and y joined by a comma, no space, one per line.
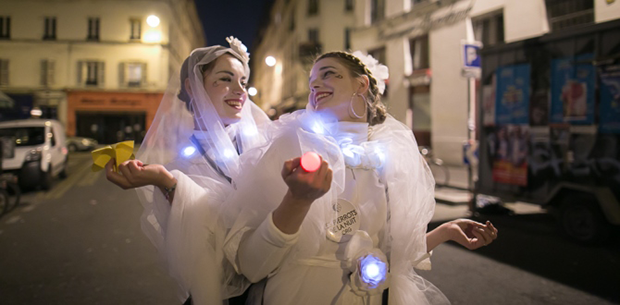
376,110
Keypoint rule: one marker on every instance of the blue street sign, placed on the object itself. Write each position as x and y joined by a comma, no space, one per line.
471,55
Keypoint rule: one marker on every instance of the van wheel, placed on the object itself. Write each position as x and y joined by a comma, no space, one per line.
46,179
583,221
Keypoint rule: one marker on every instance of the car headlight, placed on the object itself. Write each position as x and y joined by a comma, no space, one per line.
85,142
33,155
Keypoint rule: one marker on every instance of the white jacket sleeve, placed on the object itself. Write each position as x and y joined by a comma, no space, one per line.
262,251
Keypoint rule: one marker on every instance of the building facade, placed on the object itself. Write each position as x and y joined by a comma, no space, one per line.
424,40
100,67
421,42
295,33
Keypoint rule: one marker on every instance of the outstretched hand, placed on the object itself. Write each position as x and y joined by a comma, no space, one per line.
471,234
134,173
303,185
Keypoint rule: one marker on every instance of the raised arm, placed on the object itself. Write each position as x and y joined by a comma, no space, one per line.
262,251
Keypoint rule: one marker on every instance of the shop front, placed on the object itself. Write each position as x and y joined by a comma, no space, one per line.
111,117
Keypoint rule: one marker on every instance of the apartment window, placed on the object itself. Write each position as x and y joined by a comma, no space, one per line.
347,39
291,22
4,72
313,7
313,35
136,29
377,10
48,66
50,28
348,5
490,30
93,29
91,73
132,74
419,52
5,27
568,13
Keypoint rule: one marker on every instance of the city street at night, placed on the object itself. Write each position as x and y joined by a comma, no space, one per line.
81,243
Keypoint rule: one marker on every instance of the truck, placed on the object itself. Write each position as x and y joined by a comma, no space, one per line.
548,117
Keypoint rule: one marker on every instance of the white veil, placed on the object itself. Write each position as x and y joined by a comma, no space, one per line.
189,136
410,189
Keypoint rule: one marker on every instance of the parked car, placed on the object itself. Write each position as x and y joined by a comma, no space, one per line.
80,143
40,153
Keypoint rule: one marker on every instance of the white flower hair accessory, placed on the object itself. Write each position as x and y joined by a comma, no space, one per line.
378,70
238,46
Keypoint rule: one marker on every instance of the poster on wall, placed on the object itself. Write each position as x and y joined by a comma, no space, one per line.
573,90
488,103
510,148
609,108
512,95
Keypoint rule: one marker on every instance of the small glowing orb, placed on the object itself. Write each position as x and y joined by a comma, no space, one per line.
188,151
373,271
250,131
310,162
152,21
252,91
317,128
347,152
228,153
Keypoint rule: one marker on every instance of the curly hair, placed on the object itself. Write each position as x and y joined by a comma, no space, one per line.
376,110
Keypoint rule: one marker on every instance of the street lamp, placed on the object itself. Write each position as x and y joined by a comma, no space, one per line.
152,21
252,91
270,61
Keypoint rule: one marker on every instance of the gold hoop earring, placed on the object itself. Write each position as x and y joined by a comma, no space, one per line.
355,115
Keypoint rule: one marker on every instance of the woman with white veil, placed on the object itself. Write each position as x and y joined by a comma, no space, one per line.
343,226
189,162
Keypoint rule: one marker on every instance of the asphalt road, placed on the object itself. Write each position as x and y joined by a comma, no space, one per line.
81,243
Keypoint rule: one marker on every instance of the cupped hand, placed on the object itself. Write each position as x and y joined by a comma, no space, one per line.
133,174
471,234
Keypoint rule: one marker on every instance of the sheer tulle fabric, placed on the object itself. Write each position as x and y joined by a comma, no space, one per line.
187,233
410,188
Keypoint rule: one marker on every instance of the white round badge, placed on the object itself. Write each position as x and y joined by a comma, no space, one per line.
346,224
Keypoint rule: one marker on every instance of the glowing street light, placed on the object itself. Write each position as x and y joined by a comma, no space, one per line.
270,61
252,91
152,21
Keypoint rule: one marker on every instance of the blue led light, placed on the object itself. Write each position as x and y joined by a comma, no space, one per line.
228,153
317,128
373,270
189,150
250,131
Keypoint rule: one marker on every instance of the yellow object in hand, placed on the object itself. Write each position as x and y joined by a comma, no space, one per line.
121,152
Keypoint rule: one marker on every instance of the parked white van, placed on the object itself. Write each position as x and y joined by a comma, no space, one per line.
40,152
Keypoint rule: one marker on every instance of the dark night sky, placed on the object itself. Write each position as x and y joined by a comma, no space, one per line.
223,18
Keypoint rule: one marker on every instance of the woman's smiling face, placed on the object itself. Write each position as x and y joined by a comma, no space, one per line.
225,84
332,86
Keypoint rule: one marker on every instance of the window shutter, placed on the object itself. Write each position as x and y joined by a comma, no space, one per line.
80,73
143,81
51,70
121,74
100,73
43,72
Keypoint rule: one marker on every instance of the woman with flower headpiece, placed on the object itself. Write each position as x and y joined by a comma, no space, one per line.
204,122
355,224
